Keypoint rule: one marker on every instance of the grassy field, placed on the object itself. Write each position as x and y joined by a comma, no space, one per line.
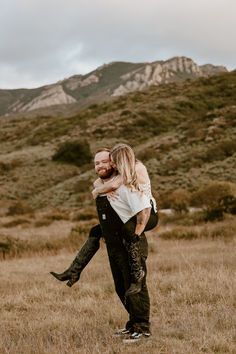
185,135
192,290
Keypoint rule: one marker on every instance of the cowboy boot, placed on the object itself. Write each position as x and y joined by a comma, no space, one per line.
137,273
87,251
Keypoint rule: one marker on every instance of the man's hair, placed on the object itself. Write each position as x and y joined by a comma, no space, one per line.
102,149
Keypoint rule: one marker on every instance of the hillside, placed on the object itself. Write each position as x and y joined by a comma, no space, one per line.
103,84
184,132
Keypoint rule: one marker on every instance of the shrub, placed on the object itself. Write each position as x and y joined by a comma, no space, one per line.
43,222
57,215
214,213
220,151
147,154
228,204
7,166
177,200
86,214
189,219
16,222
19,208
229,147
74,152
210,194
126,112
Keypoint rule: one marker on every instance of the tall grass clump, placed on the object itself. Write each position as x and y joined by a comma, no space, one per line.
13,247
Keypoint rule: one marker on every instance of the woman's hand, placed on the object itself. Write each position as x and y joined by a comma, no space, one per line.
112,196
95,193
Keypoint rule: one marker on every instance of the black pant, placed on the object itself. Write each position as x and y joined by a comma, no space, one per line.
137,305
113,230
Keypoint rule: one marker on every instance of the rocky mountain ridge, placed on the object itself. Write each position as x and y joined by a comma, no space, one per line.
110,80
184,132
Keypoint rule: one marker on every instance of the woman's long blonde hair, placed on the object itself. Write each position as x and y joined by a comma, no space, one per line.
124,158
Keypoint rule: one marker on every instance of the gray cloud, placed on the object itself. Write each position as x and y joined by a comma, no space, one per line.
43,41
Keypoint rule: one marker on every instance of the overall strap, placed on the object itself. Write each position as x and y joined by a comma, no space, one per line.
111,224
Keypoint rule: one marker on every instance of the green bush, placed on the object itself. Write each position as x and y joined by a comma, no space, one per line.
74,152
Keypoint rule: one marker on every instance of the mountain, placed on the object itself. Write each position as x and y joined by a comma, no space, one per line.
103,84
183,131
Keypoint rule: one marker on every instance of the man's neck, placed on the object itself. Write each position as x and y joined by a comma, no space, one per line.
114,174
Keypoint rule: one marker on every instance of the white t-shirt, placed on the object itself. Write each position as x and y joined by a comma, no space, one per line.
129,203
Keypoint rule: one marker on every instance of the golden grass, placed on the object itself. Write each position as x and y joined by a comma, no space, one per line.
192,289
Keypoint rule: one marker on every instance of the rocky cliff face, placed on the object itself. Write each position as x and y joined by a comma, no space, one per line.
175,69
51,95
109,80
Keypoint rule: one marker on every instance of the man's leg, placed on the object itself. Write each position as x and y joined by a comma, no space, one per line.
138,305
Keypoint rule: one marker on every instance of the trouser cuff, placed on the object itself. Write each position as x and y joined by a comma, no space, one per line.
141,327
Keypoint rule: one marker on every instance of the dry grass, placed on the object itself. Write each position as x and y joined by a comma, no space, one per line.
192,293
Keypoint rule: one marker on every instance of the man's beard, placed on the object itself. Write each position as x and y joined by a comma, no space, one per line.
108,173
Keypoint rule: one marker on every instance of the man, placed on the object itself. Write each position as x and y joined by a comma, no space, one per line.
137,305
112,229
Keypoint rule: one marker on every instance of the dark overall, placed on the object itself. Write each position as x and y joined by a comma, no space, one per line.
137,305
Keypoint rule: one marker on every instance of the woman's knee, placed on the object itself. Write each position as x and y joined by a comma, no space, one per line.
96,231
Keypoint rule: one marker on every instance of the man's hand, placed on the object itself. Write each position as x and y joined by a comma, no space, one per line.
142,219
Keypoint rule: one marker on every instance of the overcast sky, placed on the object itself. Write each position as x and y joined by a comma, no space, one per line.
43,41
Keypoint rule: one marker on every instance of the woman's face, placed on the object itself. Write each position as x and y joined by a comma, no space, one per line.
113,163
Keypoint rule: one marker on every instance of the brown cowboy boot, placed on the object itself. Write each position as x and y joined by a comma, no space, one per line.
137,273
72,274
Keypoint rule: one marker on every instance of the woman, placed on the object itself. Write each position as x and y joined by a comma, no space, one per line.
134,175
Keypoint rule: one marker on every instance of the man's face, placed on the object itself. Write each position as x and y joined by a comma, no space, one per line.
103,166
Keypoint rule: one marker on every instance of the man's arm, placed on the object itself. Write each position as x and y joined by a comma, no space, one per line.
142,219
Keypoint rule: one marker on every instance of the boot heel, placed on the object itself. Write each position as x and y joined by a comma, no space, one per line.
135,288
73,279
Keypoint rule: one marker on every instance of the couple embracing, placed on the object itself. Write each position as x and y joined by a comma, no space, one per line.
126,208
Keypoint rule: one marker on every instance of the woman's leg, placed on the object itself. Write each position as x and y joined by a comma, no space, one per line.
132,246
152,221
85,254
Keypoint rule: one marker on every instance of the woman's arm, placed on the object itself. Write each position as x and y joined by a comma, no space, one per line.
98,183
102,188
142,219
142,174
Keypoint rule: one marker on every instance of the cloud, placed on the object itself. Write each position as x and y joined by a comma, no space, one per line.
43,41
